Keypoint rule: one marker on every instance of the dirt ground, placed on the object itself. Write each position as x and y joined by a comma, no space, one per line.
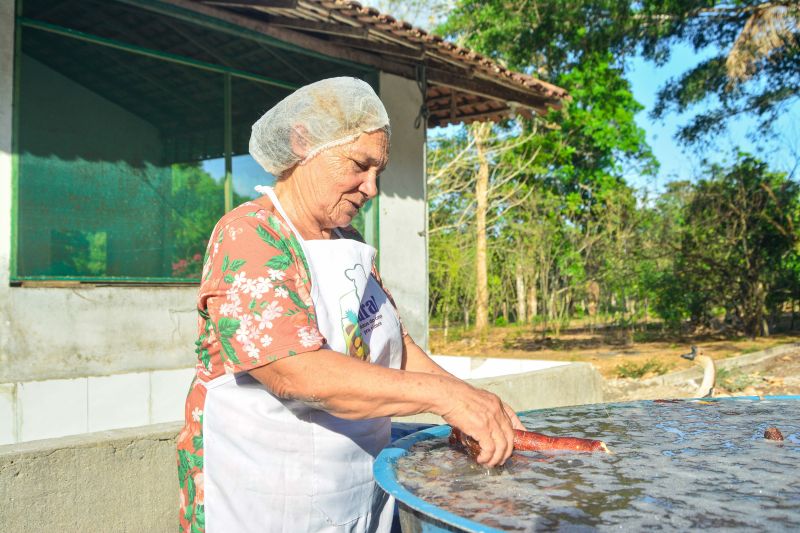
643,354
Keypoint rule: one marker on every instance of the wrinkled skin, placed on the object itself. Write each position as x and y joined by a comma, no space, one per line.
327,191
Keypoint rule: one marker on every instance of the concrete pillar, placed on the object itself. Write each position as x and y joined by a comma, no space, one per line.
403,207
6,103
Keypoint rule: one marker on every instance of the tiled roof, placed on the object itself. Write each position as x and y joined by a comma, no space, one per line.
462,85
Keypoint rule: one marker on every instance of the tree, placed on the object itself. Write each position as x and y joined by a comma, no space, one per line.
473,179
581,150
755,69
738,244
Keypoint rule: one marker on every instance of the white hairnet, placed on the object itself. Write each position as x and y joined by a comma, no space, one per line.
320,115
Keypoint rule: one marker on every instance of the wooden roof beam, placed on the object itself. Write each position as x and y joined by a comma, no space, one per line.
280,4
445,100
435,76
497,114
489,90
320,27
380,48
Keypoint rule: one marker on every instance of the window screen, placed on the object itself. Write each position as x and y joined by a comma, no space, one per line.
121,155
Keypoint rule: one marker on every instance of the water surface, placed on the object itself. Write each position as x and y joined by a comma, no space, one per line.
683,465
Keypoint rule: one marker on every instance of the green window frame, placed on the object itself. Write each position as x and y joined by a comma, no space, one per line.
366,222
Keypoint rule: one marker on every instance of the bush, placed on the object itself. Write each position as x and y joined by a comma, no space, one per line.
636,371
733,381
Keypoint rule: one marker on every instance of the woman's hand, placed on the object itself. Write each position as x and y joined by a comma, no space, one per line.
484,417
515,421
415,359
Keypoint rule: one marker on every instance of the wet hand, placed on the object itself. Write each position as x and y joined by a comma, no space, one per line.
515,421
483,416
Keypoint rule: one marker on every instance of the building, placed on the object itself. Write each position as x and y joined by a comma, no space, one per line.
123,138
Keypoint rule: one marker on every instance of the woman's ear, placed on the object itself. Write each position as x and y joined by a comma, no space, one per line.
298,138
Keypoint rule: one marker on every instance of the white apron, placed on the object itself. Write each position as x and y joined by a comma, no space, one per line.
276,465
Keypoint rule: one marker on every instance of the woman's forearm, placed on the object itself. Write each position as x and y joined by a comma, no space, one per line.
416,360
351,388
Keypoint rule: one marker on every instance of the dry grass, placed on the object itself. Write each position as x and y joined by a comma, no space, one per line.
606,349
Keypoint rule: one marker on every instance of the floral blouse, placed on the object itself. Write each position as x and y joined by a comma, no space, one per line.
254,307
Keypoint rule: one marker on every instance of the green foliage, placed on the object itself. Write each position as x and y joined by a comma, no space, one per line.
754,71
736,248
634,370
734,380
567,230
197,203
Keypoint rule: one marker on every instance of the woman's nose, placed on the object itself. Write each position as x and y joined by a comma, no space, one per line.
369,186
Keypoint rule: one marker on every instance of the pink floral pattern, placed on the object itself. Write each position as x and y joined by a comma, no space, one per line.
254,308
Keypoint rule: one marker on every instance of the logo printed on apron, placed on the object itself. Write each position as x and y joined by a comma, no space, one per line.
350,305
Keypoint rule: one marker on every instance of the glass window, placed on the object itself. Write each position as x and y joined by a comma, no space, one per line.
119,169
122,154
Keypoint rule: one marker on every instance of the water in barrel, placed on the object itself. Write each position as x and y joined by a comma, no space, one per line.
675,465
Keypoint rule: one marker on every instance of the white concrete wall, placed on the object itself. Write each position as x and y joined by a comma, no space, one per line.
556,386
490,367
122,480
84,331
65,333
403,214
34,410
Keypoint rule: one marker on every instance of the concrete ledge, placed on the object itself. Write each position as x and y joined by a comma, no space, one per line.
559,386
620,388
127,480
121,480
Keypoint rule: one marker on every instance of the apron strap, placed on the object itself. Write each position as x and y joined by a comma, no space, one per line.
272,196
269,191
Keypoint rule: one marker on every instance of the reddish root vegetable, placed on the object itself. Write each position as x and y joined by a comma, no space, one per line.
773,433
530,441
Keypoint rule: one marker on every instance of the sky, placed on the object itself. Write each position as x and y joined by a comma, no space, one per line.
682,162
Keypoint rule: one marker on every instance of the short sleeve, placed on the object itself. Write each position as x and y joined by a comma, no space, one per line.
258,307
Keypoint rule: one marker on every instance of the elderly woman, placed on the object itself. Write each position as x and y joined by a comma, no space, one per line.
302,355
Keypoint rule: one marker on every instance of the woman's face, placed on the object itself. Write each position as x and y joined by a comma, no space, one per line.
339,181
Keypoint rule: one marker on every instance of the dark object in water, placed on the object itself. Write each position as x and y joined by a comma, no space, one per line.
530,441
773,433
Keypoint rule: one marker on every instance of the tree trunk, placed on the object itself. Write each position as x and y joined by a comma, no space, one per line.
505,310
593,296
446,322
521,312
480,132
533,308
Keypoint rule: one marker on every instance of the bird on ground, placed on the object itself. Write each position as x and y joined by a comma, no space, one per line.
706,389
